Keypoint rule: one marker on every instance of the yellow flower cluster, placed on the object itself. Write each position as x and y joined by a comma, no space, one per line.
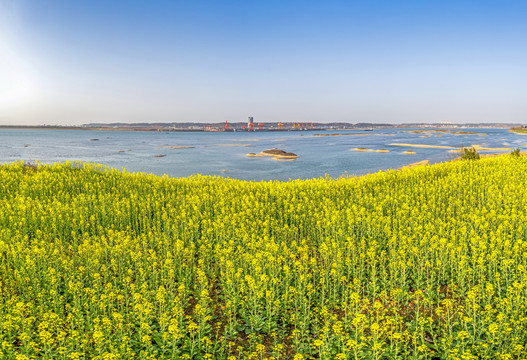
424,263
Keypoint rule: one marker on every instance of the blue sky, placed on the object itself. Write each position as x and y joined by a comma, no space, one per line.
74,62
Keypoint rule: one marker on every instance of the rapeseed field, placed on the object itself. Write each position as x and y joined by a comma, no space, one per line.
425,263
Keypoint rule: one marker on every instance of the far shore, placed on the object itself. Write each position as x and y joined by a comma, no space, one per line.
336,128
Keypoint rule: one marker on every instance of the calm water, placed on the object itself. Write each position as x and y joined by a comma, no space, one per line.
223,154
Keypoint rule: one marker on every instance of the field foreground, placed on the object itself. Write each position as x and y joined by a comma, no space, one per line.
423,263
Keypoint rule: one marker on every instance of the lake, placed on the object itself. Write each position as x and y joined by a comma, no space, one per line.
224,153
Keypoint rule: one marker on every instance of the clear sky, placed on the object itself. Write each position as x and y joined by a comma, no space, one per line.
383,61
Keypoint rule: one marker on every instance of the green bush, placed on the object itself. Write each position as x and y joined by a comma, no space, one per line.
470,154
516,152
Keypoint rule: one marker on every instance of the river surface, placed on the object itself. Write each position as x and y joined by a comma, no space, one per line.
224,153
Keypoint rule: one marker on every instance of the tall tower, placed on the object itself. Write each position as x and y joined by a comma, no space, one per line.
250,121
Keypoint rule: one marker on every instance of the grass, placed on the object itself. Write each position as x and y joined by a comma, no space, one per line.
520,130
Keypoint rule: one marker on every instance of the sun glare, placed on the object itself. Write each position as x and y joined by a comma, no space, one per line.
17,78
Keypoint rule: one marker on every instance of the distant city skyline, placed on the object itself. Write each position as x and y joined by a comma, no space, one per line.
377,61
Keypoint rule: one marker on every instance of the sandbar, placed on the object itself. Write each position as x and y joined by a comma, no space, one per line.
175,147
415,164
232,145
409,152
481,148
370,150
467,133
276,154
418,131
444,131
422,146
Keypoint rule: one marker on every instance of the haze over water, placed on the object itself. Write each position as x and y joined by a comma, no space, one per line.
224,154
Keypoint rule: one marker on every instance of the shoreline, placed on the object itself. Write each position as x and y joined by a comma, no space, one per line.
219,127
482,156
413,165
